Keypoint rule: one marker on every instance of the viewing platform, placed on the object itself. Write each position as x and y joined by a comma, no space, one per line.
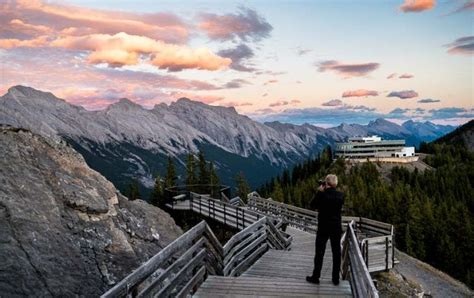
270,256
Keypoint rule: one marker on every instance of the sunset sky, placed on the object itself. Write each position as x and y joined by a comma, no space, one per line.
319,62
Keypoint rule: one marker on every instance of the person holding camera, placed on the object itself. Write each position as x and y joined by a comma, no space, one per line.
328,201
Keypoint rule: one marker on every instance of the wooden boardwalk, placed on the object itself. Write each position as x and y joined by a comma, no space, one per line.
280,273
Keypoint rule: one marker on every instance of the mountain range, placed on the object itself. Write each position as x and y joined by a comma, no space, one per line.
126,141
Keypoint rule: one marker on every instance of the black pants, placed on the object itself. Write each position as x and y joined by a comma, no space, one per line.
321,239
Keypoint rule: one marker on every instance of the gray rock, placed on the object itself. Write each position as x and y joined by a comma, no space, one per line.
64,229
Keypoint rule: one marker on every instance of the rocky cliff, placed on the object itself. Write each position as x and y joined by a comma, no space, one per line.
64,229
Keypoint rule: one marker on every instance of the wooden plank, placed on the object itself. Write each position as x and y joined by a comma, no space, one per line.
250,259
179,277
242,234
242,253
150,266
193,282
151,289
253,235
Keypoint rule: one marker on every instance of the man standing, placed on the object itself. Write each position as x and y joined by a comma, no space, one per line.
328,201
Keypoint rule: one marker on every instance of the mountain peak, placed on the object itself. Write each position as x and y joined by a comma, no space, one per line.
28,92
125,104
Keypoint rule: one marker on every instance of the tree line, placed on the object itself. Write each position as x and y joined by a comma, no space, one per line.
200,176
432,210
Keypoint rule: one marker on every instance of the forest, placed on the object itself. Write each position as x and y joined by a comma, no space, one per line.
432,210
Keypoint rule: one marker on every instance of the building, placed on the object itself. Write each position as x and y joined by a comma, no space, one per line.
374,148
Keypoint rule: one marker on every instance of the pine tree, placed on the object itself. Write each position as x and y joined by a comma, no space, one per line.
133,191
191,178
277,194
204,178
157,195
170,178
243,188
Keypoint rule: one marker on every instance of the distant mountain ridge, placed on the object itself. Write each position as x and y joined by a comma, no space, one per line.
126,140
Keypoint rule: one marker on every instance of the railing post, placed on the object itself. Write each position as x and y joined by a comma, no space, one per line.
367,253
224,214
386,253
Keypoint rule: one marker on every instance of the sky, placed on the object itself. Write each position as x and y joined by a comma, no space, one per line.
318,62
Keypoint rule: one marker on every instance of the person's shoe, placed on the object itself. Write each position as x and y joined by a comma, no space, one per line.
312,279
335,282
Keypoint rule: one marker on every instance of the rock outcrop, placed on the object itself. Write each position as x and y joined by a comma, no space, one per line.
64,229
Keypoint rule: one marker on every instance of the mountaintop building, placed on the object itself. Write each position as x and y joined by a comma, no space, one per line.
373,148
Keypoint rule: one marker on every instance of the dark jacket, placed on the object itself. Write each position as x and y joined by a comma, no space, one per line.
329,205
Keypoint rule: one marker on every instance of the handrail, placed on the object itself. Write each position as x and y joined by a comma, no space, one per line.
353,263
308,220
184,264
139,281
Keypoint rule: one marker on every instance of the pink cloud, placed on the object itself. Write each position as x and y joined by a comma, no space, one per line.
462,46
270,82
295,101
403,94
392,76
417,5
236,104
246,24
162,26
360,93
279,103
406,76
348,70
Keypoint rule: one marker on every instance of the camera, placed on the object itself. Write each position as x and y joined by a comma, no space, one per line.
322,182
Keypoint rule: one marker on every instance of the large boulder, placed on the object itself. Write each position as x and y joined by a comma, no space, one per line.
64,229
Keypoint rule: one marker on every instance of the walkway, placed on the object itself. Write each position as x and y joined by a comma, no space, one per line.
279,273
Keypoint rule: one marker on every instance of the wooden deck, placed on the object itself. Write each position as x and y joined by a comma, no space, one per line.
280,273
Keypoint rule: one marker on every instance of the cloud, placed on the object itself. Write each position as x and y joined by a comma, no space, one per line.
270,82
239,55
236,104
348,70
302,51
279,103
451,112
57,17
236,83
417,5
360,93
295,101
406,76
462,46
392,76
468,5
245,25
403,94
428,100
264,94
124,49
399,111
333,103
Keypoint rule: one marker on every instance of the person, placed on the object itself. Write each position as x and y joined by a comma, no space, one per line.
328,201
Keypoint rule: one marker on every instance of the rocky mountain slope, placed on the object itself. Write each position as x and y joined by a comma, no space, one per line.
127,141
64,229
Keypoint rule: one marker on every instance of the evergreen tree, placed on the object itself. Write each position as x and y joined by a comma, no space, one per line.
170,178
133,191
204,178
191,177
243,188
157,195
277,194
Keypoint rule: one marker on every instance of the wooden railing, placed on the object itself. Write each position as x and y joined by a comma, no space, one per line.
354,267
183,265
376,238
177,269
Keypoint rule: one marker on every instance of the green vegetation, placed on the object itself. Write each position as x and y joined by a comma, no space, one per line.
433,211
243,187
133,192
